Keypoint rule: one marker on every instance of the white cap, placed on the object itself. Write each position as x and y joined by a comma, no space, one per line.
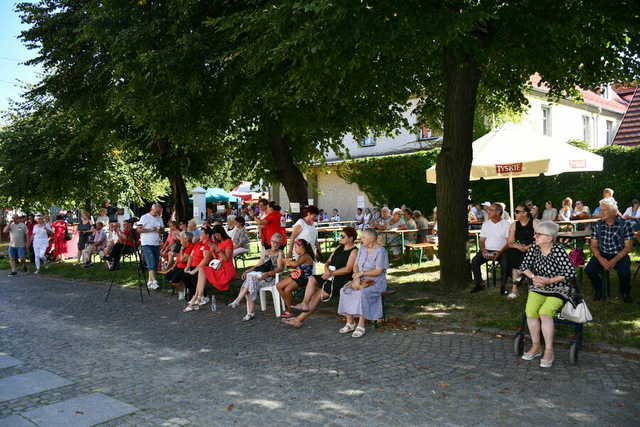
397,210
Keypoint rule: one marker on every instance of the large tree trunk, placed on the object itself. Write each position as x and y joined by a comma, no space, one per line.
180,197
453,166
176,180
288,172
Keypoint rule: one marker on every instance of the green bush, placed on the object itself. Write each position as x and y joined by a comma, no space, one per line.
397,180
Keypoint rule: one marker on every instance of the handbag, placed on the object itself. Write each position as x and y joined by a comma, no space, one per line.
576,256
215,264
578,313
265,267
296,274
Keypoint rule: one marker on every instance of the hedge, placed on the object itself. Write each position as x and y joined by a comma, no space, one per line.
400,179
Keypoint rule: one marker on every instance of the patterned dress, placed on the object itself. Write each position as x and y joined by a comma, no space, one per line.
556,263
366,302
254,283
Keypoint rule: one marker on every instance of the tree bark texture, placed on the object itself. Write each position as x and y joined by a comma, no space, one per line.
179,193
453,167
288,172
180,197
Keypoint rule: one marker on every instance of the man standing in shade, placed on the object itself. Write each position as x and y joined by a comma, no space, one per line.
151,228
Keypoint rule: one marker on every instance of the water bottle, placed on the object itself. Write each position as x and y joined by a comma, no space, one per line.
214,307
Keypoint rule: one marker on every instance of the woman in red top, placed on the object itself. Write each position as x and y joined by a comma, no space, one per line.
271,224
175,270
221,249
197,259
59,235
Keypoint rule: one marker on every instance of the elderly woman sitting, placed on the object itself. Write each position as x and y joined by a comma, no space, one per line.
362,297
550,270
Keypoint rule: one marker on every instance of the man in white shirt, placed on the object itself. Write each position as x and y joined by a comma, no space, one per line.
150,229
493,244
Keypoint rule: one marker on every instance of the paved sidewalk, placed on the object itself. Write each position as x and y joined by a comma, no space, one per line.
207,368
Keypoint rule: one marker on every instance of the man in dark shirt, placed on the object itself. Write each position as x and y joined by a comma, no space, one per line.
611,242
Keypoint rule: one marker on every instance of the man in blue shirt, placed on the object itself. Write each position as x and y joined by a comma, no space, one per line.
611,242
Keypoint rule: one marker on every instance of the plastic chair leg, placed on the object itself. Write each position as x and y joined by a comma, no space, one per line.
263,299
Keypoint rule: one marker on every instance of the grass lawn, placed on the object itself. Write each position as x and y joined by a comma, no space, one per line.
422,298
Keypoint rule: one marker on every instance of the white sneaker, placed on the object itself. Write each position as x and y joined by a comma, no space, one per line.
153,284
248,317
234,304
181,295
37,271
203,301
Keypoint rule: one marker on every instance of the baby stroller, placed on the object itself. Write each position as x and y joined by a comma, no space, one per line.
576,339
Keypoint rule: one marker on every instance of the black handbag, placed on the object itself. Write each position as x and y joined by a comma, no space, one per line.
266,267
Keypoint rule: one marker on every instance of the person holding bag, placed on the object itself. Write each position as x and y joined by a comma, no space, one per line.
549,268
261,275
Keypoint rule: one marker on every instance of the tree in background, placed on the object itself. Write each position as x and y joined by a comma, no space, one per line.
454,56
50,157
139,64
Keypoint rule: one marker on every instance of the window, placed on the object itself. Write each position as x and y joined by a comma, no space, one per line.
606,92
367,141
609,132
546,121
586,129
424,133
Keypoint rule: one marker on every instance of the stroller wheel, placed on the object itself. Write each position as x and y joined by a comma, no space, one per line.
573,354
518,345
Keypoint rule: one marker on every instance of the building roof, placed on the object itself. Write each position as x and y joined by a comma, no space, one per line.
629,129
616,103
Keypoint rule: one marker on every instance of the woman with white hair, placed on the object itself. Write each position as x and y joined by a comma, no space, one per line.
551,272
362,297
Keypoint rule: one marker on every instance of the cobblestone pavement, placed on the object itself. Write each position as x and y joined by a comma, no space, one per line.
207,368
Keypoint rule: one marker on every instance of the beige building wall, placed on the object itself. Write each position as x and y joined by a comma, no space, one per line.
336,193
332,192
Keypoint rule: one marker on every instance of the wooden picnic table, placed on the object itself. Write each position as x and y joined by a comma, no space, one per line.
575,222
397,231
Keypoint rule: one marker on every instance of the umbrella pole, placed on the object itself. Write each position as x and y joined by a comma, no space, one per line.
511,195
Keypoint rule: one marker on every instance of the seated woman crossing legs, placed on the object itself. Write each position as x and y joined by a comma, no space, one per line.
217,273
338,268
261,275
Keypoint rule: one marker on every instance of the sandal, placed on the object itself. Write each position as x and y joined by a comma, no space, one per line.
203,301
349,327
290,322
286,315
234,304
358,332
191,307
301,307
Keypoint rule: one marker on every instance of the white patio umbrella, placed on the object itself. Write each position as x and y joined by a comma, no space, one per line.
516,151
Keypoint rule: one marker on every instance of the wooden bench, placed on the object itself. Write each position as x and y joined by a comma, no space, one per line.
420,247
385,294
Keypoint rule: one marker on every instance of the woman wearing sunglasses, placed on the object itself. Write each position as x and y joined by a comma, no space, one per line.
551,272
519,242
338,270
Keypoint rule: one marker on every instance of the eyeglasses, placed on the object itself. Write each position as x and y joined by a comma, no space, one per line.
519,211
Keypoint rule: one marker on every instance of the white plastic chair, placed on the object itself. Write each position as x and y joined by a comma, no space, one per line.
278,302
